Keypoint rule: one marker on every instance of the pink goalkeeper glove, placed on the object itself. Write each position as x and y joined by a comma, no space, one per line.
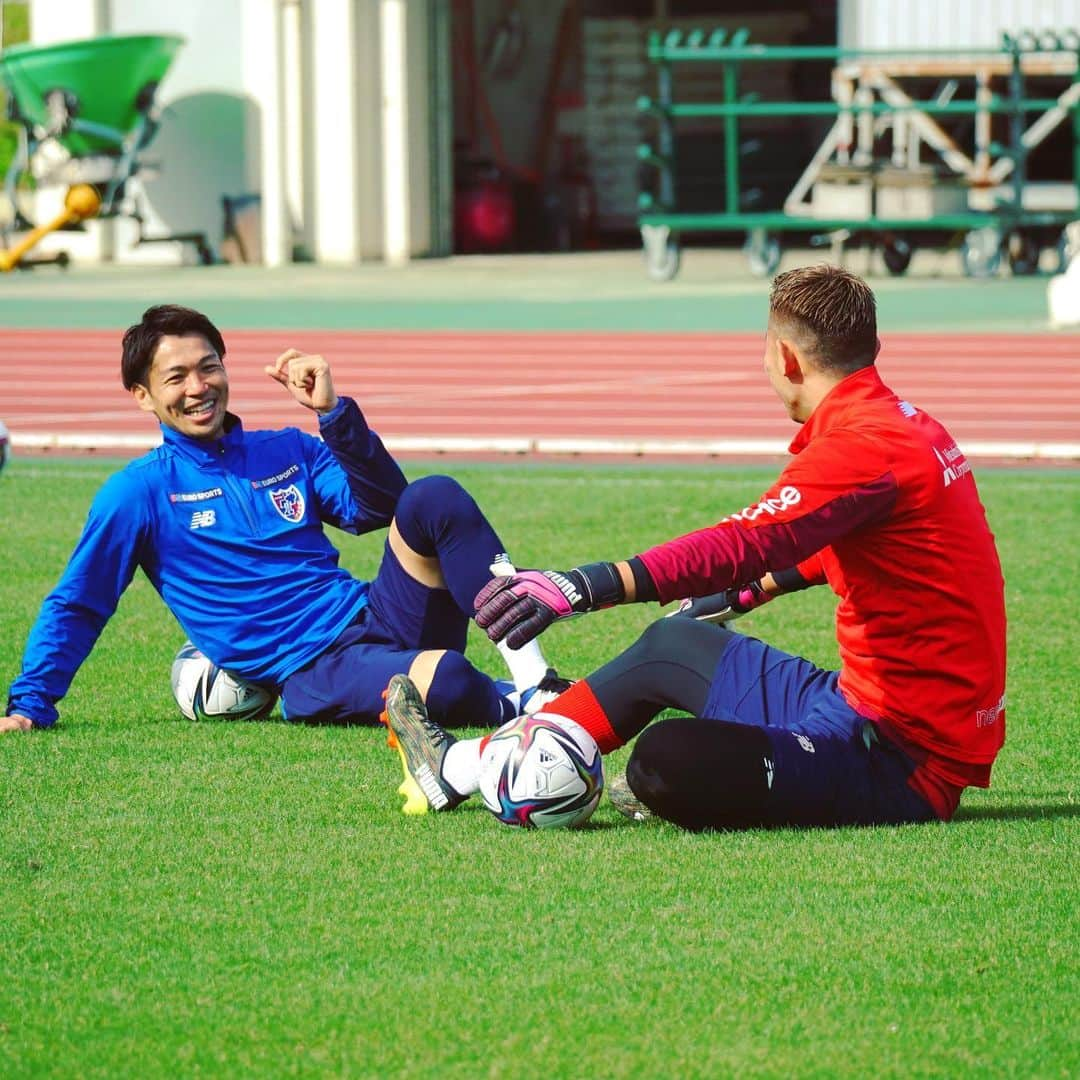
520,607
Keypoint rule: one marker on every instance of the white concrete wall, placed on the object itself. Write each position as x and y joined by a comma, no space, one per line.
900,24
311,143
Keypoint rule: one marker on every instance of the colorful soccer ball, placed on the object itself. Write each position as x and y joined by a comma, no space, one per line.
541,772
206,692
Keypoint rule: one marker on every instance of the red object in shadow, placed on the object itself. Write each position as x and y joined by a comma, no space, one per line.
484,216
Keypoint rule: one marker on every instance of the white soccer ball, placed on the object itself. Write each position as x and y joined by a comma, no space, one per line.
206,692
5,445
542,771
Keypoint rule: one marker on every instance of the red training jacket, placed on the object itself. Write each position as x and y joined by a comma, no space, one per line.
880,502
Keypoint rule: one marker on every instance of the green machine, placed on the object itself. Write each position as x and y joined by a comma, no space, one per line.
85,111
889,171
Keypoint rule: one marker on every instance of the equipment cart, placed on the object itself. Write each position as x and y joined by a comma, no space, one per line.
890,171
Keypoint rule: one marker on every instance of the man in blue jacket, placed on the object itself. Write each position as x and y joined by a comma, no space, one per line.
228,525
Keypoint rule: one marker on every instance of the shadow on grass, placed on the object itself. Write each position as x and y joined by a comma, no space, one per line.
1015,813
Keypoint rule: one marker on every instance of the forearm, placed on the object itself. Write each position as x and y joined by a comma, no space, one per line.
374,478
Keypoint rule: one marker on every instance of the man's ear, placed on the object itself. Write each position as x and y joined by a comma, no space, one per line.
142,397
790,361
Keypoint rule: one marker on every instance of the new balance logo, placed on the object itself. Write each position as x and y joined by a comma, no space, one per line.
203,519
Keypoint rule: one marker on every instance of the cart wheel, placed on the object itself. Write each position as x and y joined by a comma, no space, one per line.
663,253
897,254
1023,253
762,252
980,252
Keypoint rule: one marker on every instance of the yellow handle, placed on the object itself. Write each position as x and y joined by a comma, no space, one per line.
81,202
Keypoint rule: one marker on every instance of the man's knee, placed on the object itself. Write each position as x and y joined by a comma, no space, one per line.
686,640
703,774
428,507
460,696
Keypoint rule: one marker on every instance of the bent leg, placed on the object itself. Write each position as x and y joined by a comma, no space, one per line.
439,554
702,774
441,538
714,774
670,666
778,745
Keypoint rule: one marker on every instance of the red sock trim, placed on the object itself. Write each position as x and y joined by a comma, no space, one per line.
579,703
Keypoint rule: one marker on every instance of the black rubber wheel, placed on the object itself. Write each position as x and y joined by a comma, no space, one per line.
1023,251
897,254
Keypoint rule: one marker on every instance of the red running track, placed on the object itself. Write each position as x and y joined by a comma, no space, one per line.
1022,389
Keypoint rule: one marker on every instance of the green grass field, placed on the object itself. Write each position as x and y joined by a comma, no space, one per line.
183,899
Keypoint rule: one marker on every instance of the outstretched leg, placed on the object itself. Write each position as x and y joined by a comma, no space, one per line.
669,666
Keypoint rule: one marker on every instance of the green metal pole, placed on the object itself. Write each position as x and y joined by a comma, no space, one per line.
1016,127
731,140
666,136
1076,134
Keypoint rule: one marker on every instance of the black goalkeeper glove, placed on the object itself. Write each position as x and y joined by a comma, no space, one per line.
723,606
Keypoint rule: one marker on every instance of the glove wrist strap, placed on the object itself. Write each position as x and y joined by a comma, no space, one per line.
600,585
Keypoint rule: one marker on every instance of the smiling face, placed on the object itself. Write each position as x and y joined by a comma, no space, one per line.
186,387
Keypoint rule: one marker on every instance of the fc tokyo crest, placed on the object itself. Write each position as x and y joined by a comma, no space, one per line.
288,502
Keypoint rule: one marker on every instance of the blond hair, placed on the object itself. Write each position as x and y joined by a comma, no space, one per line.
831,311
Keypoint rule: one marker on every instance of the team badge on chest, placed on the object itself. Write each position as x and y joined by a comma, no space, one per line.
288,502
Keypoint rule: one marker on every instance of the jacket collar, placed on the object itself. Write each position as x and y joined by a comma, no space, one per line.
844,398
203,451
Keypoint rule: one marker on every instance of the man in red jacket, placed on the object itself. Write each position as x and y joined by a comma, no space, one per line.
879,502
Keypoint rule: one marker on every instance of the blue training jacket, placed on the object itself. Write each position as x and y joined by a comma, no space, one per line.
230,533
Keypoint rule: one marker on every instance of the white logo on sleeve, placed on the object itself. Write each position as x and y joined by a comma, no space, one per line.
953,463
203,519
785,499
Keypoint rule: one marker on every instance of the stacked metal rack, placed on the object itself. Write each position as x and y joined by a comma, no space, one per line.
870,179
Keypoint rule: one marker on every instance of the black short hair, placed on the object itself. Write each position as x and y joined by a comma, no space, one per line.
142,339
834,312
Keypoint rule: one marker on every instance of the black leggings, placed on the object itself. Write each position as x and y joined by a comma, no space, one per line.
670,666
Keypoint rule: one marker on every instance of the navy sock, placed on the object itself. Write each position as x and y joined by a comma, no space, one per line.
461,696
438,518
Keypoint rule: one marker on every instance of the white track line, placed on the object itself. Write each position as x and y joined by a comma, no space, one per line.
1003,448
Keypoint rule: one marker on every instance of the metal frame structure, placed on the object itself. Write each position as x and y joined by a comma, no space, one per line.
867,104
